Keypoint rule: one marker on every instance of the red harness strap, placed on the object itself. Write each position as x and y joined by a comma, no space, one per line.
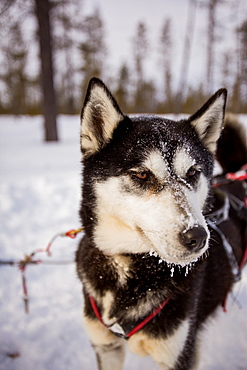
240,175
96,310
148,318
137,328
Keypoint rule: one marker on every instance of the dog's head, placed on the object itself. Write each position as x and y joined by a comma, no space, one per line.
147,178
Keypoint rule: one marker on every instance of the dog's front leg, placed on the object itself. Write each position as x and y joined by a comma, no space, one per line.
110,356
166,350
109,349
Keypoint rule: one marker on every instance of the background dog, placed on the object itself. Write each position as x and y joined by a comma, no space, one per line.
161,248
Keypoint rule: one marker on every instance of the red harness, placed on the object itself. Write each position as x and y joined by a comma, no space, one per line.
118,329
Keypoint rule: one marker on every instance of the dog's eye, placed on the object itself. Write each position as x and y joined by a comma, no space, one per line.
192,172
141,175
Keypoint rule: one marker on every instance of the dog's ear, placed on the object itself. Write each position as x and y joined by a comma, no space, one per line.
208,121
99,117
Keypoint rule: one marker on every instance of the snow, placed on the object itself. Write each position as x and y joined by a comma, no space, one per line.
39,197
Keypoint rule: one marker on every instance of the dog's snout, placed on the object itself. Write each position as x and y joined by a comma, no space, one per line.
195,238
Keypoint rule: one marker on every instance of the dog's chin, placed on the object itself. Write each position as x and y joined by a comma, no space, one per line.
179,256
182,260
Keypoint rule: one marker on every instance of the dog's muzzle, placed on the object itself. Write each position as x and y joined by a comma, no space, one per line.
194,239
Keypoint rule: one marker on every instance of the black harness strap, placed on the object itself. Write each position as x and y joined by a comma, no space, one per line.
216,218
222,214
228,248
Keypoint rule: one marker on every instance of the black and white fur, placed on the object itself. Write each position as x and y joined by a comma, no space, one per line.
146,190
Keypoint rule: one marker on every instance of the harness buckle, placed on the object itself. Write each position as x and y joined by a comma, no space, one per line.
117,330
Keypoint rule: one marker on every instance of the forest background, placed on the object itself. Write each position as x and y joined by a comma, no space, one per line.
76,46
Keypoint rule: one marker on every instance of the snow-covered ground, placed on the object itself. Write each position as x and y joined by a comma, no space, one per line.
39,197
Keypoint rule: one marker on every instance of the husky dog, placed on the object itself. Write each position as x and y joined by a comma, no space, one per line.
153,266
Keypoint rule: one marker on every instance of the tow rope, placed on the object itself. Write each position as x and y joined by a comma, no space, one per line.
31,259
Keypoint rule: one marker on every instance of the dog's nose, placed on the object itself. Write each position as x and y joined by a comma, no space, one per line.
195,238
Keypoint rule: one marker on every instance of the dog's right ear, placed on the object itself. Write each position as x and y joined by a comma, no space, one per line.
208,121
99,117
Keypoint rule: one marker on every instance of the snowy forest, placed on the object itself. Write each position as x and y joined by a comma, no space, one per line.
79,50
50,49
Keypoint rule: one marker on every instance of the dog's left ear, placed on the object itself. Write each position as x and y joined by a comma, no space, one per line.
99,117
209,120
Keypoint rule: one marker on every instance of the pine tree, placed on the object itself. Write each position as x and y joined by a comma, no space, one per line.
242,31
140,48
211,42
13,70
188,40
18,89
122,92
67,19
166,58
93,48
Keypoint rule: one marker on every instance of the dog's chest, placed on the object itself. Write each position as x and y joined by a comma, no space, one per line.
132,289
121,264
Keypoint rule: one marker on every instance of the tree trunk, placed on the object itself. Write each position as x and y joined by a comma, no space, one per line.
49,99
